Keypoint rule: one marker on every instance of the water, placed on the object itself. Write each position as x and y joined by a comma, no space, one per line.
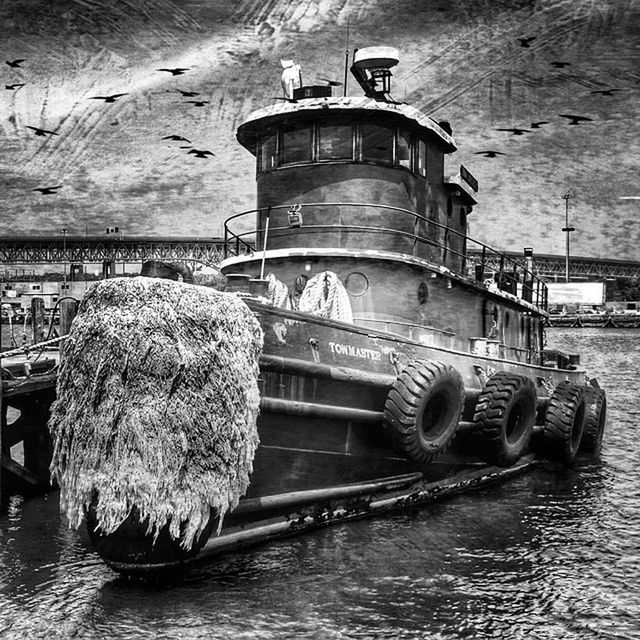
552,554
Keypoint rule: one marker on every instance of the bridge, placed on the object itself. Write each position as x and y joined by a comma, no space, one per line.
87,249
111,248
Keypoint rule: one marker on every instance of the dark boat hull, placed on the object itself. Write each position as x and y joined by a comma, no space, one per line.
324,456
285,515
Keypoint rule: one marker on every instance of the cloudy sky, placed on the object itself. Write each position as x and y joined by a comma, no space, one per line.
461,60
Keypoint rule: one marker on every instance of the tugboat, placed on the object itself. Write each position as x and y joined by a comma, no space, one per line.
395,368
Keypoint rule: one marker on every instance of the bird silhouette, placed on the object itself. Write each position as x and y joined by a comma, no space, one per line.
515,131
178,71
15,64
575,119
537,125
47,191
14,86
524,42
490,153
112,98
41,132
560,65
176,137
201,153
606,92
198,103
188,94
331,83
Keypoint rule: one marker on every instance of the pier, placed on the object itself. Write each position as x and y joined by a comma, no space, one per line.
27,390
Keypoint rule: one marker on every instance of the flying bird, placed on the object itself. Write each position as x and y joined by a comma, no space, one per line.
201,153
515,131
537,125
188,94
490,153
111,98
331,83
14,86
198,103
41,132
178,71
524,42
560,65
575,119
15,64
606,92
176,137
47,191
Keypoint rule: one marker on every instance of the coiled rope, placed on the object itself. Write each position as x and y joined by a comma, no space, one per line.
278,292
325,296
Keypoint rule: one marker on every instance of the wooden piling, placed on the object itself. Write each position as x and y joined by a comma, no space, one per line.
37,319
68,310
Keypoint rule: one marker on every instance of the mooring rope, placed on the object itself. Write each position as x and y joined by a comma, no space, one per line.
32,347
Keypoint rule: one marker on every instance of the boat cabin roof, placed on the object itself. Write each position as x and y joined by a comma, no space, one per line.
259,120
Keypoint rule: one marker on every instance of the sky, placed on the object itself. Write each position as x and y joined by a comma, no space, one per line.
483,65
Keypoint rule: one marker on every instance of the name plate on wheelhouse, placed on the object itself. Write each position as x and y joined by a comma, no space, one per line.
355,352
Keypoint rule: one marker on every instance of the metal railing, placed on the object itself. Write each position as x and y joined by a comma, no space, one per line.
509,275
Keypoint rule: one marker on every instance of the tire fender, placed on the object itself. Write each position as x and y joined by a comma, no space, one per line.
564,422
595,419
504,416
423,409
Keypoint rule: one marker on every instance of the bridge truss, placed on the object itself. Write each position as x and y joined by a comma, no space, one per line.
32,250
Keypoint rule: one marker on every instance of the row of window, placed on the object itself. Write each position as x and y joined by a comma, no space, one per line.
34,287
358,141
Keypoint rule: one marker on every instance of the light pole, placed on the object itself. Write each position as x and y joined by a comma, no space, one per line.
64,257
567,229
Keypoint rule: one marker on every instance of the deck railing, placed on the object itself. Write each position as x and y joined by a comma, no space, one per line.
510,275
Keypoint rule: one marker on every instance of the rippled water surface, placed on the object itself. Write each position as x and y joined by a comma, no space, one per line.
552,554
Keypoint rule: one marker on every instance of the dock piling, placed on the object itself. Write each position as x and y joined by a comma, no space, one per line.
37,319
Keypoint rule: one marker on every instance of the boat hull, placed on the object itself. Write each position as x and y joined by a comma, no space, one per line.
324,456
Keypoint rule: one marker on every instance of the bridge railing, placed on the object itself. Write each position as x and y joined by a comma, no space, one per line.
509,275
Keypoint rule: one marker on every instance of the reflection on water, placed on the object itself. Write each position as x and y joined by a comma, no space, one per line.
553,554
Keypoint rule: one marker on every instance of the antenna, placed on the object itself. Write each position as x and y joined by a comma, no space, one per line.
346,62
372,69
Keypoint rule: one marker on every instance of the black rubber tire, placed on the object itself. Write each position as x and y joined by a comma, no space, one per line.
504,417
423,409
594,422
564,422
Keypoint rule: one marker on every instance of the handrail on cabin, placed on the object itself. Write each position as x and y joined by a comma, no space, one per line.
534,290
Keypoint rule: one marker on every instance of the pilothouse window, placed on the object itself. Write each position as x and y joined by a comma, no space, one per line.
325,141
296,145
335,142
377,143
267,153
422,158
403,149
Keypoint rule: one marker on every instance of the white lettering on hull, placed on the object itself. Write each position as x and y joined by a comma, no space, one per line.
355,352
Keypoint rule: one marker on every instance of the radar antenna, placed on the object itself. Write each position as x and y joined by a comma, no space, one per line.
372,69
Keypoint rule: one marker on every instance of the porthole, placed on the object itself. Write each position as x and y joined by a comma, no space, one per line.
423,293
356,284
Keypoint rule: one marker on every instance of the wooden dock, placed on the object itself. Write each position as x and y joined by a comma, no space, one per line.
27,391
